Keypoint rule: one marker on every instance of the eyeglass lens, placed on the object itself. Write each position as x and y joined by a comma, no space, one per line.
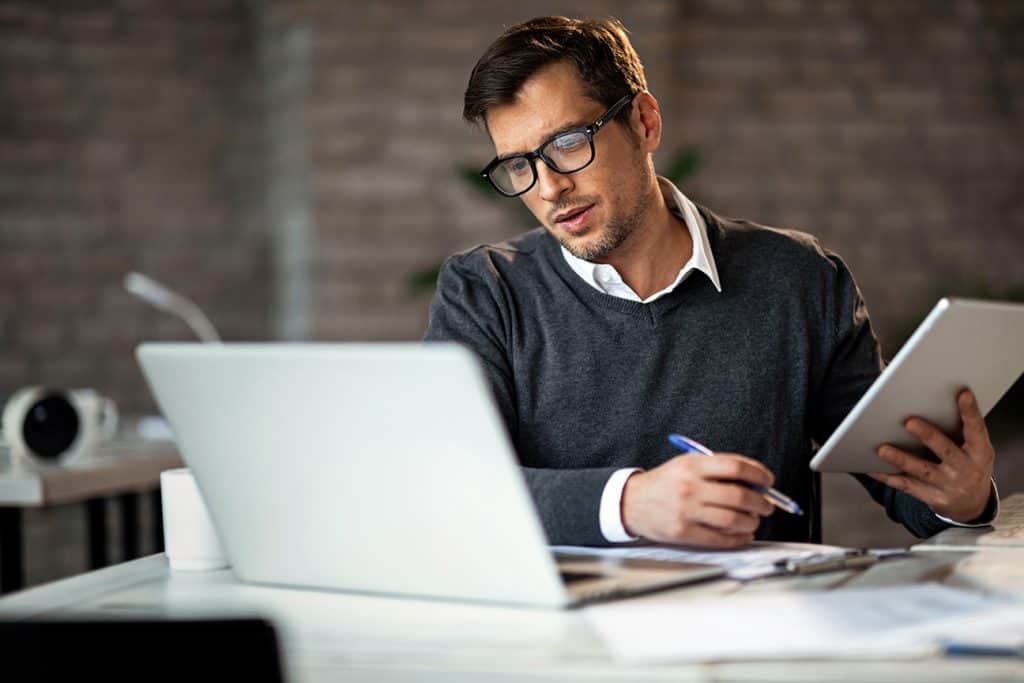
566,153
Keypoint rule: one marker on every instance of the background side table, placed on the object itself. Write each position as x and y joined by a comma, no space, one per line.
123,469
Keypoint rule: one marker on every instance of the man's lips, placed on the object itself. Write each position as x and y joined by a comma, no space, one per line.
569,213
573,216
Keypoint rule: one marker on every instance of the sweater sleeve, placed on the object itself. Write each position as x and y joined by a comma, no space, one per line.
854,363
471,307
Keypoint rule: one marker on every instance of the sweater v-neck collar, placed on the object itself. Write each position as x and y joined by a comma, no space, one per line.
684,290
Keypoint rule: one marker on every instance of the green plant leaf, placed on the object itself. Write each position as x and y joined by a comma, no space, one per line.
475,180
684,165
424,281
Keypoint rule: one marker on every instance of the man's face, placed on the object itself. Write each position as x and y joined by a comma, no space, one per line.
592,212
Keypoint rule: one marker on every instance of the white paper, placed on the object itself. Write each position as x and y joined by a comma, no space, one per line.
1002,626
748,563
892,622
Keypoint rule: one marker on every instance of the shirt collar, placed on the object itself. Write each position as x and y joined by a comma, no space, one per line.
702,258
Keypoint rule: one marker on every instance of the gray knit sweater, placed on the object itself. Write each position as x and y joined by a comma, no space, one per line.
589,383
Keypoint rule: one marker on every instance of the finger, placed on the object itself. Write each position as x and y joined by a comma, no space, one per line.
926,493
910,464
975,432
736,467
734,497
727,519
937,442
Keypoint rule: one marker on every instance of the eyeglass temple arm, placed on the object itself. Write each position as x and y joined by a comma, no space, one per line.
613,112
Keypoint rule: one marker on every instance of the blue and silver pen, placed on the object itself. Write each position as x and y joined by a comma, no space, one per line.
776,498
968,649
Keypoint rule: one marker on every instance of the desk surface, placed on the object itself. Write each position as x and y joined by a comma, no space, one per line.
126,464
343,636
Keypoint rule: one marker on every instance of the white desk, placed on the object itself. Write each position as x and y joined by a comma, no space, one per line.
338,636
125,467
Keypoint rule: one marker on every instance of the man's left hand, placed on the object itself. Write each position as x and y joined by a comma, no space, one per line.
958,486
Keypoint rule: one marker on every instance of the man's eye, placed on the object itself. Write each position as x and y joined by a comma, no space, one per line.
518,166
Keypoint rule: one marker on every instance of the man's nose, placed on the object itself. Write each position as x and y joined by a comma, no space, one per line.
551,185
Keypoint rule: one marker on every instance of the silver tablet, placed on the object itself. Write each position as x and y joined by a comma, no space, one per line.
962,343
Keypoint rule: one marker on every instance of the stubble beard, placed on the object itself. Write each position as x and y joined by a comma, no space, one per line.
617,231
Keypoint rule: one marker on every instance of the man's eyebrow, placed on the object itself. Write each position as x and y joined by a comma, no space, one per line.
547,138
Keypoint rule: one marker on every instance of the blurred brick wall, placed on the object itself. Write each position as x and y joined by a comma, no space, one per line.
124,144
184,138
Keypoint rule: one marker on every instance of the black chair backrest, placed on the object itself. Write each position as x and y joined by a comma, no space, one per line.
244,650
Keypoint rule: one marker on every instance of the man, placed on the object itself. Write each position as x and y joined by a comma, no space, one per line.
632,313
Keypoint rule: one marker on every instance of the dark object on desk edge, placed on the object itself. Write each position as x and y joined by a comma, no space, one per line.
140,650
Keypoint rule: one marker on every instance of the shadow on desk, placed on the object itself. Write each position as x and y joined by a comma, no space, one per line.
133,650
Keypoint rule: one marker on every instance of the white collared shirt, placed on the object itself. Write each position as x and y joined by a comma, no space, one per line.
605,278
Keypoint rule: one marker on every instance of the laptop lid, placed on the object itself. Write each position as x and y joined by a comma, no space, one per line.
383,468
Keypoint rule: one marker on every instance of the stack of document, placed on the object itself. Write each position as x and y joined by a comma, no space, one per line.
889,623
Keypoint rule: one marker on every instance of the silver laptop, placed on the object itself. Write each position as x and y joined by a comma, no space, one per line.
382,468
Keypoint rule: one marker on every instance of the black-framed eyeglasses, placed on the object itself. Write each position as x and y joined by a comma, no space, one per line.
567,152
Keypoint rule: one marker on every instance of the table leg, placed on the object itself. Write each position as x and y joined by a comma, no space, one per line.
96,510
129,503
12,563
158,521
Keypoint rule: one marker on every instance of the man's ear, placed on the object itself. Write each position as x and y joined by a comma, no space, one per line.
645,121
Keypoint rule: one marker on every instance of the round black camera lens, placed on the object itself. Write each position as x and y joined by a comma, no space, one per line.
50,427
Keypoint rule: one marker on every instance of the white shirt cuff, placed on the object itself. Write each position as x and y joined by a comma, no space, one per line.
610,513
995,492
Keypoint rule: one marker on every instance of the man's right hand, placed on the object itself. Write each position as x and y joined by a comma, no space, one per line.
695,500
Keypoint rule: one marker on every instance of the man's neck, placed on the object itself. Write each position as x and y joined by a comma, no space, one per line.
650,260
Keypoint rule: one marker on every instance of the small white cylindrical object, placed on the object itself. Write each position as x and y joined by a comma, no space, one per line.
190,540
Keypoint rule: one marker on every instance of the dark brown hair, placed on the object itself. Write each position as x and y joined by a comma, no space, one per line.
599,49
